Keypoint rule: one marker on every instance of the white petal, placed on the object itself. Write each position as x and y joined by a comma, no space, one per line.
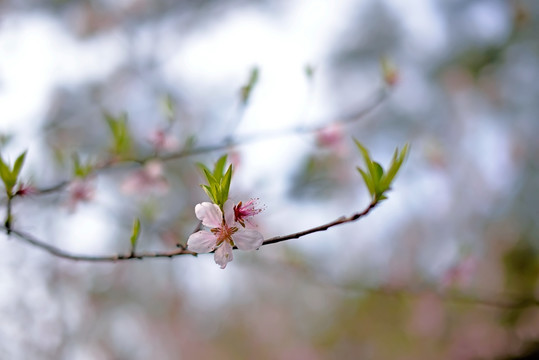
201,242
246,239
223,255
228,207
210,214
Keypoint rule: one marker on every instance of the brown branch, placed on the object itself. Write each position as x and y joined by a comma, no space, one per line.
379,98
171,253
53,250
493,300
339,221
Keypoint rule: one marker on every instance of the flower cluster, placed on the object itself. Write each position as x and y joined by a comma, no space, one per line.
225,230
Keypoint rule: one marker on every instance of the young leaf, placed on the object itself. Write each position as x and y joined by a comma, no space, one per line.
219,167
226,183
376,180
5,174
395,165
378,171
203,167
368,181
18,164
135,234
80,170
218,185
208,192
210,178
367,159
248,88
120,133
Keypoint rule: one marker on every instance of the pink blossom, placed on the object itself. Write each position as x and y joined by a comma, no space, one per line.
149,178
332,137
460,274
161,141
243,213
80,190
224,233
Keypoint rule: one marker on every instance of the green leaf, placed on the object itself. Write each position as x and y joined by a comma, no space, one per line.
80,170
209,177
395,166
18,165
219,167
218,180
377,174
368,181
120,133
248,88
367,159
226,183
378,171
5,174
135,234
207,190
203,167
375,179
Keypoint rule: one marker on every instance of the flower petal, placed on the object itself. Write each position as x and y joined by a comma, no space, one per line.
246,239
223,255
228,207
201,242
210,214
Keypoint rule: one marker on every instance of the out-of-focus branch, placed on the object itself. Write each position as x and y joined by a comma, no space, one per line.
379,97
492,300
30,239
308,274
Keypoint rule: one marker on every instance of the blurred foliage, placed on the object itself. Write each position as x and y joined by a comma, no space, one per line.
468,104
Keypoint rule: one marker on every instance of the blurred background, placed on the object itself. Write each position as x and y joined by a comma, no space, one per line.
444,269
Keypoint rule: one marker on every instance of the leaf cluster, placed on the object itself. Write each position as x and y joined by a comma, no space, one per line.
377,180
218,181
10,175
79,169
121,136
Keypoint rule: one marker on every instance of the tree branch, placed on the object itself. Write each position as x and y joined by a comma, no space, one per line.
30,239
378,99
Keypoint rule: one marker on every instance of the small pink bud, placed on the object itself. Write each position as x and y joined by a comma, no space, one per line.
25,190
80,190
161,141
148,179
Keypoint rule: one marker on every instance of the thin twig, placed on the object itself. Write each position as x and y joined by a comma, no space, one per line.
324,227
171,253
379,98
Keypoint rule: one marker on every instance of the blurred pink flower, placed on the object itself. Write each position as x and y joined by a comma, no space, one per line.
161,141
332,137
148,179
80,190
223,233
244,212
460,274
